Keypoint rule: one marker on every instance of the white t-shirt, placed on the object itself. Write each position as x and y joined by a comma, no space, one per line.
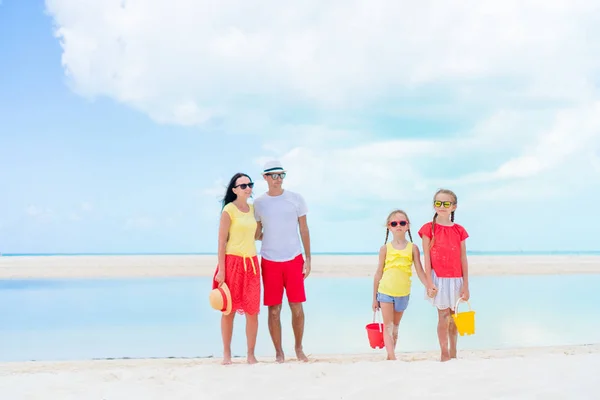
279,217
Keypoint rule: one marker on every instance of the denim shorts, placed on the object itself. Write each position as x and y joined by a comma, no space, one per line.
400,302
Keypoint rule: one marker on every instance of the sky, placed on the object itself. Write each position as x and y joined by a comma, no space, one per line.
122,121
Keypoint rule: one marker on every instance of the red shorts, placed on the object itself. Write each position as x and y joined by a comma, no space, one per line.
279,275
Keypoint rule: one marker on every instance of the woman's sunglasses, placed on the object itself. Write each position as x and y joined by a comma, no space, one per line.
394,224
446,204
243,186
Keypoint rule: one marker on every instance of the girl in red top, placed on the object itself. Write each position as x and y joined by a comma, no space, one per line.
446,266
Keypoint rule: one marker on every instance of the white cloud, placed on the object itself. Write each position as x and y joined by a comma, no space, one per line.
41,214
527,68
383,170
185,61
563,146
566,142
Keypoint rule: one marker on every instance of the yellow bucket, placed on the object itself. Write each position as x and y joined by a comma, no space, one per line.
465,321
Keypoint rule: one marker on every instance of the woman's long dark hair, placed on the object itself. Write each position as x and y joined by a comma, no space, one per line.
229,195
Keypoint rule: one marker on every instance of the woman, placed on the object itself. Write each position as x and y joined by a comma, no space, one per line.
238,264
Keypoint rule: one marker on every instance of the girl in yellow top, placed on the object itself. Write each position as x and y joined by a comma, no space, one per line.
392,282
238,264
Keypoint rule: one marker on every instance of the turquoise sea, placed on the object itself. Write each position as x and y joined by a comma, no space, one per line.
67,319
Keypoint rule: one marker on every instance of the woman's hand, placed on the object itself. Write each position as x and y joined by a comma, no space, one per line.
220,277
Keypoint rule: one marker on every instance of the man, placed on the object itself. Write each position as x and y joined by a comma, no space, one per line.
281,214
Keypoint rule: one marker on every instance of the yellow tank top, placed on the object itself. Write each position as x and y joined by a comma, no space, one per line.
241,232
397,271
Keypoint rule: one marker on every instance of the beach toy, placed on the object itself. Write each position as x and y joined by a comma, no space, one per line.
375,333
465,321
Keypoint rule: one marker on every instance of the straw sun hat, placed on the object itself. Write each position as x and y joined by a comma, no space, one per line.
220,299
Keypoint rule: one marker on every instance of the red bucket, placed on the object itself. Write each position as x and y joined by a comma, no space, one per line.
375,334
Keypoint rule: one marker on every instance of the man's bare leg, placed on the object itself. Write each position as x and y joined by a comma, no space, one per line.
298,326
275,331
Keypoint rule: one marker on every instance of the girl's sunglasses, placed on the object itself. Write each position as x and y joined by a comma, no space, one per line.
394,224
243,186
446,204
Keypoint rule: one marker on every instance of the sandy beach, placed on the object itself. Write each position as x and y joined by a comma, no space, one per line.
550,373
322,265
526,373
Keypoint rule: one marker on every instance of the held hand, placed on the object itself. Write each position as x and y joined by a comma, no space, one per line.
306,270
431,291
464,293
220,277
375,305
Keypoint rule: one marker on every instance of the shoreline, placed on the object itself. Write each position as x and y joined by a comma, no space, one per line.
131,266
27,367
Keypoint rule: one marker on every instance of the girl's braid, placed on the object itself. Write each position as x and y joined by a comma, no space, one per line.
432,230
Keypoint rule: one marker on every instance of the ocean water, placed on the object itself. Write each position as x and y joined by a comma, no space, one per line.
56,319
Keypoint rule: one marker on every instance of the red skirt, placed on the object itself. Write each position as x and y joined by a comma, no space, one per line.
242,276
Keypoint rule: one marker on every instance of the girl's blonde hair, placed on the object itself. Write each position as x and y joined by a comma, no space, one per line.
387,224
454,200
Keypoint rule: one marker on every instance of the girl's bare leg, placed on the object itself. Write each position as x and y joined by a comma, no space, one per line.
442,330
453,336
387,311
397,318
251,332
227,333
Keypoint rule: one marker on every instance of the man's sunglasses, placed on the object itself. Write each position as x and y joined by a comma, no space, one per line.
394,224
446,204
243,186
277,176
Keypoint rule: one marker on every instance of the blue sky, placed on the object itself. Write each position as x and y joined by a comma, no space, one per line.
122,121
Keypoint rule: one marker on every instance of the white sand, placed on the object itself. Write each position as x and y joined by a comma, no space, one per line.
323,265
553,373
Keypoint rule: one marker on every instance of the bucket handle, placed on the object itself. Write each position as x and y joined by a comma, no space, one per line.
378,314
463,300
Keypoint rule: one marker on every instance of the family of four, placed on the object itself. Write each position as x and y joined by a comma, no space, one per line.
278,219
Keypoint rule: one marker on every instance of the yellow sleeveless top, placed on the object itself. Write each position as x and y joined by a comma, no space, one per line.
241,240
397,271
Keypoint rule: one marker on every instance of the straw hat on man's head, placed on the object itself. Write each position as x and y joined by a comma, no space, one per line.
220,299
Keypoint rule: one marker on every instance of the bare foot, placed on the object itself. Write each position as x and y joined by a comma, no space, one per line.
445,357
452,353
301,356
391,358
226,360
252,359
279,357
